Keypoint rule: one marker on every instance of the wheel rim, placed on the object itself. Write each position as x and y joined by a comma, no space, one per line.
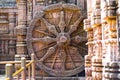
55,39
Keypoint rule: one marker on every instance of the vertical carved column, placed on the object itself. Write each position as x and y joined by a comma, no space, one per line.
111,65
21,32
118,28
97,59
88,65
97,29
88,28
21,28
104,33
12,42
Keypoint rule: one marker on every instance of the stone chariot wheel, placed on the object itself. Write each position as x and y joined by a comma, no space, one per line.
57,39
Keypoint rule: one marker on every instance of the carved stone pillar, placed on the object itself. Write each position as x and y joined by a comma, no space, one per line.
97,59
21,32
97,29
21,28
104,33
118,28
111,64
12,25
88,28
88,65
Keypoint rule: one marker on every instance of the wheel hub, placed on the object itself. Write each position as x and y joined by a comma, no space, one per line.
63,39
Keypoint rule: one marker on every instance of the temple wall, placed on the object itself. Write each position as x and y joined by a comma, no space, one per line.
103,40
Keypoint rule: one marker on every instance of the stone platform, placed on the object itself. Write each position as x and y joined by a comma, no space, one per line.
60,78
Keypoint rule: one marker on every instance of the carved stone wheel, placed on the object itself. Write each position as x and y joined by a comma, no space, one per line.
57,39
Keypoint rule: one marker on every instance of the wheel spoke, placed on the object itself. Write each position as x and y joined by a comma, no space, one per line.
78,39
79,32
42,32
50,27
75,45
69,54
63,56
46,39
76,52
75,25
69,21
50,51
45,48
55,57
62,21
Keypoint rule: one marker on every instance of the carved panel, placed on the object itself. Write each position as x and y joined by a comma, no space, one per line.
7,35
4,23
